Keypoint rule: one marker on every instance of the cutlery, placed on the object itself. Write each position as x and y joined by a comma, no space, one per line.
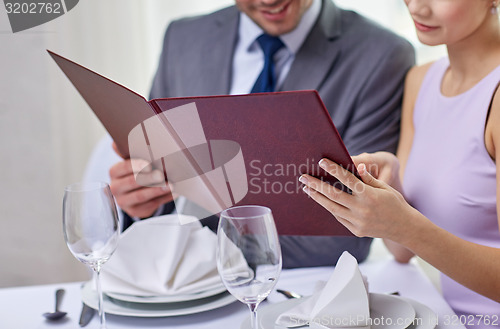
56,315
289,294
86,315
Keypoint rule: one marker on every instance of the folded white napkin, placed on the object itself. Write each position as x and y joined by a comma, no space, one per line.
341,303
159,256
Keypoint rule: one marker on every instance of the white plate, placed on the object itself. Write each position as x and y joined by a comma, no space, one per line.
390,307
425,318
89,297
168,299
388,311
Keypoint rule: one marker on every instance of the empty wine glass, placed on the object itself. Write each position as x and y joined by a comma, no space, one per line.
91,227
248,254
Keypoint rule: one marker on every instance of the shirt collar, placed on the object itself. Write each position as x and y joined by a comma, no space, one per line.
248,31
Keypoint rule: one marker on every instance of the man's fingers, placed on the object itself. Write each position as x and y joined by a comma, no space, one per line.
121,169
155,178
143,196
147,209
123,179
128,167
141,166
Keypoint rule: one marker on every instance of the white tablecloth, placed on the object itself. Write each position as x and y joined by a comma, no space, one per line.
22,308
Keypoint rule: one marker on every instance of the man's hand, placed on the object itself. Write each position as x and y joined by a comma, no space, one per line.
137,200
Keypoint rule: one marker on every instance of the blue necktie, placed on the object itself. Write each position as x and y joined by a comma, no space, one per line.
266,82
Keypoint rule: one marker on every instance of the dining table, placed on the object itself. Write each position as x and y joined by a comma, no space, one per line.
22,307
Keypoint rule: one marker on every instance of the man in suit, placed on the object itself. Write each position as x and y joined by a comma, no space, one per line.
357,67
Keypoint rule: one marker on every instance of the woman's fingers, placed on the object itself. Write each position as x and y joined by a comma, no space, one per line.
340,212
362,158
329,191
368,178
373,209
348,179
344,176
335,208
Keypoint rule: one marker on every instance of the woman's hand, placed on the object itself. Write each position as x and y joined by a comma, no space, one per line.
383,166
374,208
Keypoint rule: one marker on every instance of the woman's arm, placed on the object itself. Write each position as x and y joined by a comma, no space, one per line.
377,210
492,140
413,82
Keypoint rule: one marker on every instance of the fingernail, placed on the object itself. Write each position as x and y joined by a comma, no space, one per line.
306,190
322,163
361,168
303,179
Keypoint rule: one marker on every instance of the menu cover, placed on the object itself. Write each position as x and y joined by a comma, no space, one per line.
223,151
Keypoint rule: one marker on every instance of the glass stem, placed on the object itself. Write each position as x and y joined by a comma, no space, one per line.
102,318
253,316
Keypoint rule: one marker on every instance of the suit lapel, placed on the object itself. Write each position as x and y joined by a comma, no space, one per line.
316,56
218,50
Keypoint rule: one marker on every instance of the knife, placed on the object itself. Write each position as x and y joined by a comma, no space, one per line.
86,315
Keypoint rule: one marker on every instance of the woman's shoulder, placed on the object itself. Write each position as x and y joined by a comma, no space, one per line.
417,74
414,79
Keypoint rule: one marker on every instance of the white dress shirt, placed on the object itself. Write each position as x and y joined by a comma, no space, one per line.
248,59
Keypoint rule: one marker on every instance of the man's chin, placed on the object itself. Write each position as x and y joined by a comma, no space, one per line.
277,29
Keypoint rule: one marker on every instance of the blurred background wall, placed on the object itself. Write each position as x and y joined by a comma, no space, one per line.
47,131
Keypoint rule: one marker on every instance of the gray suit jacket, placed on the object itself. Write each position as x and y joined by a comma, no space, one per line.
357,67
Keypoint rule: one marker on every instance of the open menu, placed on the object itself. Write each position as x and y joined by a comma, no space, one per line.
223,151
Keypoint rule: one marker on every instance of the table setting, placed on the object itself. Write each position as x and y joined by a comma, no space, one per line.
161,273
23,306
345,302
142,279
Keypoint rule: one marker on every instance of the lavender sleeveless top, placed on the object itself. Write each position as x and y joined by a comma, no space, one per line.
451,179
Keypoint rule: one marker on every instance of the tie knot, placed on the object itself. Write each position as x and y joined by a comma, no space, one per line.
269,44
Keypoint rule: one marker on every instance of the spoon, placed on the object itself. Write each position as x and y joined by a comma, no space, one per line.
56,315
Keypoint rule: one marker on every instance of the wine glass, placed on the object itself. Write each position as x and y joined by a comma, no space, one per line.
91,227
248,254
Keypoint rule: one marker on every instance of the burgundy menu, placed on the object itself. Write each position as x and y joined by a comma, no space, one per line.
278,137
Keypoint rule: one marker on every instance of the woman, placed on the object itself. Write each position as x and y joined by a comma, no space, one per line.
446,166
